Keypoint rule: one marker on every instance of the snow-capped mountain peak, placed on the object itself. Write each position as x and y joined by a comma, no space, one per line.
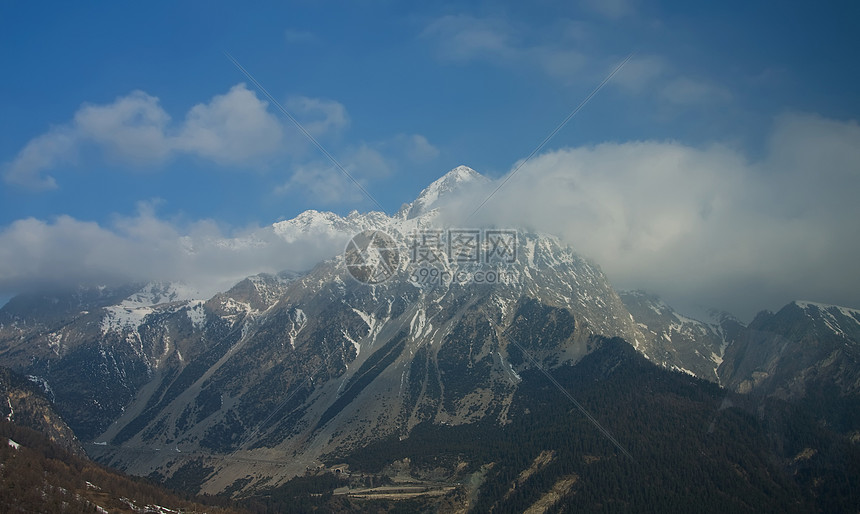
452,181
333,226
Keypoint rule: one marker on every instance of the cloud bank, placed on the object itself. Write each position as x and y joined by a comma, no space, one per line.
707,226
66,252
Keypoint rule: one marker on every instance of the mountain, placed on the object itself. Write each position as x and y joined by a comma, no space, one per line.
26,405
420,327
336,364
679,342
693,447
806,352
453,182
96,347
280,365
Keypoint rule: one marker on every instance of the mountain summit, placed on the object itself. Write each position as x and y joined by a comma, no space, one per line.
421,212
455,180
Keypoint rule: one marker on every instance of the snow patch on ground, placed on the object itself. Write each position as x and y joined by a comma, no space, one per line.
851,313
43,384
683,370
157,293
418,325
355,343
299,321
132,312
119,317
55,340
197,314
716,358
514,376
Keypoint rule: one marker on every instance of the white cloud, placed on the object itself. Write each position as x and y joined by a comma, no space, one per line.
44,152
319,116
560,63
641,72
406,149
328,185
705,224
368,162
324,185
68,252
417,148
232,129
568,51
131,129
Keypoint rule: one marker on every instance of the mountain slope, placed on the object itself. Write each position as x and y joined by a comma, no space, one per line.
694,448
348,363
805,352
37,475
678,342
23,403
321,361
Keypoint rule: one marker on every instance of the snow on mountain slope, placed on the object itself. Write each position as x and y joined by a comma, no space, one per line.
153,297
342,362
327,224
680,342
419,213
155,293
841,320
433,195
335,363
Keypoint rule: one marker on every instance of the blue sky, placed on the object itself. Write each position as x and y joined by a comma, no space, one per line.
112,113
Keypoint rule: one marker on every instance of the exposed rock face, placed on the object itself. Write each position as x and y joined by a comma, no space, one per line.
23,403
806,352
335,363
679,342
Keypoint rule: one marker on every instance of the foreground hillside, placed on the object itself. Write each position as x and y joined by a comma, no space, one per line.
37,475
